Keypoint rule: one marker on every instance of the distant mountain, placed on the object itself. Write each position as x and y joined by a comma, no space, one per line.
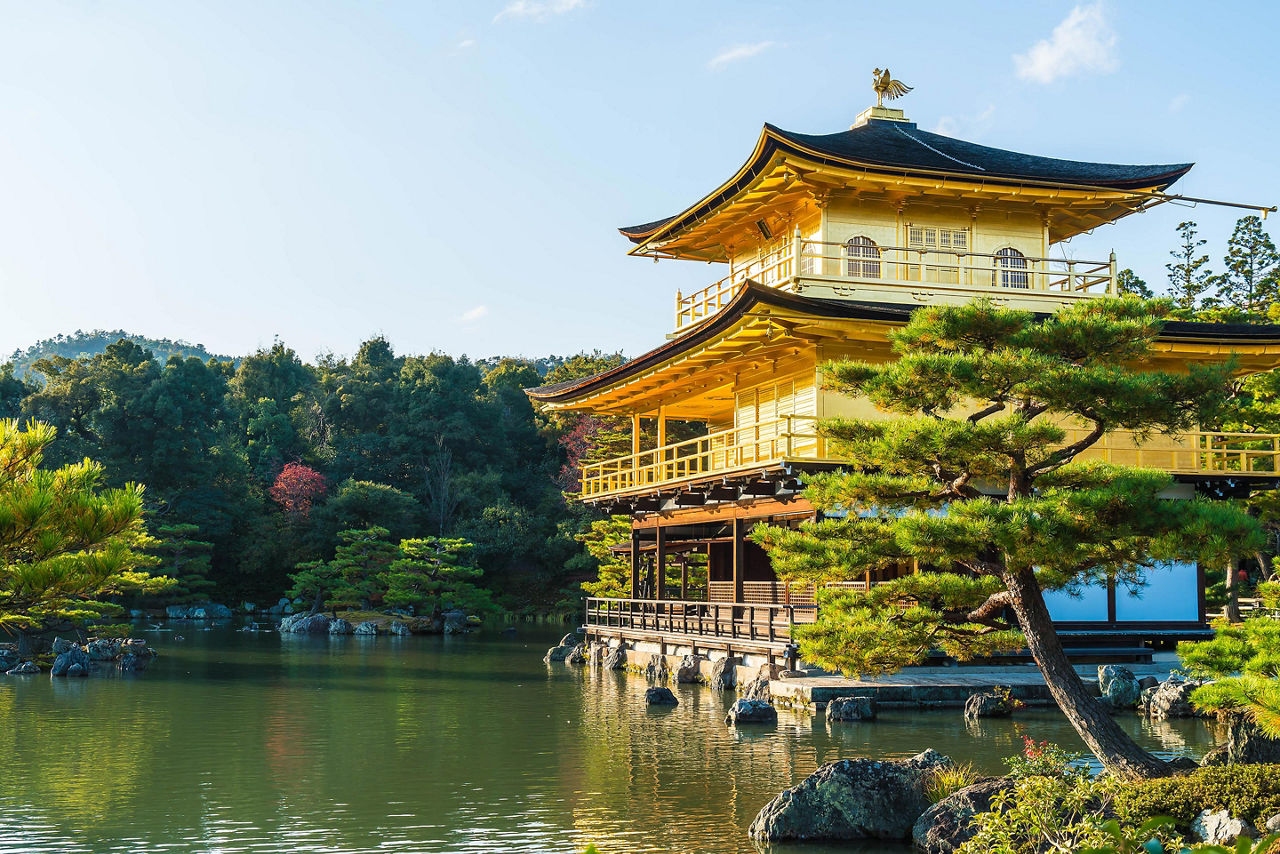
92,343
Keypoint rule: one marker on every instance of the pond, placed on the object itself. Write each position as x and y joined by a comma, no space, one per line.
260,742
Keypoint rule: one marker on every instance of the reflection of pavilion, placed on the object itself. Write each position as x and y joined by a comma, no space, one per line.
829,242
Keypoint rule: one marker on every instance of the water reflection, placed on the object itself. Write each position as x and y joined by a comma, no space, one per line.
246,743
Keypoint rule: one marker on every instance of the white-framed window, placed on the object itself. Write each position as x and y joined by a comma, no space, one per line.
1011,268
929,237
862,258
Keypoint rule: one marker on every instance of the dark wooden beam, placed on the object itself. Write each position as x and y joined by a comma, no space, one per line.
739,559
660,564
635,564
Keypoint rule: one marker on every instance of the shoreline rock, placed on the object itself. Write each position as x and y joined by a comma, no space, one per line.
944,827
744,711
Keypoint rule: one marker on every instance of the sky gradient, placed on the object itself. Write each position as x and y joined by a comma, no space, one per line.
450,175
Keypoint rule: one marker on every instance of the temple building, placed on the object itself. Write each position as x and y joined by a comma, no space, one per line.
826,244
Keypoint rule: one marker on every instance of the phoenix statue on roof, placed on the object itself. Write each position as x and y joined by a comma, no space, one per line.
887,87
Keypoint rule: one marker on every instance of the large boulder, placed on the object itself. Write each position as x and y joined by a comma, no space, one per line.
340,627
176,612
616,659
9,657
851,799
1245,745
368,627
660,696
400,629
556,653
1120,688
751,712
987,704
61,645
596,654
102,649
690,670
214,611
944,827
1273,824
454,621
306,624
570,640
74,662
577,655
1221,828
758,688
1173,700
26,668
724,674
131,662
851,709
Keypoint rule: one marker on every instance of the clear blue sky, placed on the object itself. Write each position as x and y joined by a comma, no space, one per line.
450,174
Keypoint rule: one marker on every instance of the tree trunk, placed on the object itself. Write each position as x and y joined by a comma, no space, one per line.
24,644
1118,752
1233,591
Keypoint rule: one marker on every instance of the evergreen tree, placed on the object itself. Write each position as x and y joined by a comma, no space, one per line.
67,546
1249,282
185,558
432,575
975,480
1189,277
1130,285
351,578
613,578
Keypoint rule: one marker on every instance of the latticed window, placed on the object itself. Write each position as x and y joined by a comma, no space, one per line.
924,237
862,258
1012,268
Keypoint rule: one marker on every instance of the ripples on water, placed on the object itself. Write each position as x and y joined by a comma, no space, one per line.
256,743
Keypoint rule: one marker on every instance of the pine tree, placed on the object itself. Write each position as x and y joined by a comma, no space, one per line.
433,575
1189,277
1130,285
1249,282
351,578
186,559
66,545
973,478
613,580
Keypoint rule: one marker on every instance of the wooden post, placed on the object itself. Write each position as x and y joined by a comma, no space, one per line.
660,563
663,474
635,564
739,560
635,432
684,578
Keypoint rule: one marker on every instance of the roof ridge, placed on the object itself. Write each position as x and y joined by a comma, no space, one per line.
940,153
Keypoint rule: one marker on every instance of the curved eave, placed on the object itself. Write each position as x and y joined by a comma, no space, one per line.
773,139
1223,335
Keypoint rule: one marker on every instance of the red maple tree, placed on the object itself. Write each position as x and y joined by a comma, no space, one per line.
297,487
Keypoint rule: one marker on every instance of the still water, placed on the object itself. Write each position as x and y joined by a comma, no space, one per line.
263,743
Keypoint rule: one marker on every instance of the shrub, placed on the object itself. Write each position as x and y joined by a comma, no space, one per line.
948,780
1246,791
1042,759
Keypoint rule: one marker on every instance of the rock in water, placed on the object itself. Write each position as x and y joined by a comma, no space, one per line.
690,670
26,668
660,696
758,688
61,645
1120,688
944,827
340,627
656,669
73,657
577,655
1245,745
1220,828
570,640
557,653
77,670
366,628
400,629
102,650
455,621
595,657
851,799
724,674
616,659
306,624
1173,700
852,709
1148,682
751,712
987,705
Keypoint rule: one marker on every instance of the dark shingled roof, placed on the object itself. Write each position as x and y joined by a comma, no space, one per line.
901,146
753,294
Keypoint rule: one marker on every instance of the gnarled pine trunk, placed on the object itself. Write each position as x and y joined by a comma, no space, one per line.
1118,752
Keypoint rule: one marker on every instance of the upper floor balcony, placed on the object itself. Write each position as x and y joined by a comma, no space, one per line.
905,275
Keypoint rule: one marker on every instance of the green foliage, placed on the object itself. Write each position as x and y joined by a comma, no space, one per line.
1251,792
949,779
1189,275
185,558
67,546
351,578
431,575
83,345
1129,284
613,579
1043,759
1249,282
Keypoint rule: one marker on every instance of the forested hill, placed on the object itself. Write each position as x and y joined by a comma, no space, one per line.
80,344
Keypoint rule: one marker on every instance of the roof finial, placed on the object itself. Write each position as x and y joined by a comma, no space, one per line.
886,87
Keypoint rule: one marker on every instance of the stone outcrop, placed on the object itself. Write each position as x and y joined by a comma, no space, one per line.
944,827
455,621
656,669
1172,699
1118,686
758,688
26,668
616,659
851,799
1148,682
577,655
724,674
102,650
366,628
340,627
1245,745
200,611
570,640
596,654
558,653
305,624
690,670
74,662
745,711
987,704
1221,828
660,696
851,709
9,657
399,629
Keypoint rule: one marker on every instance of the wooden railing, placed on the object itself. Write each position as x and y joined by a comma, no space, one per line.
905,267
722,621
796,437
776,592
788,437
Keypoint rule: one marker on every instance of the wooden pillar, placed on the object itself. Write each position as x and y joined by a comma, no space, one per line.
684,577
660,564
662,426
635,432
739,559
635,564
